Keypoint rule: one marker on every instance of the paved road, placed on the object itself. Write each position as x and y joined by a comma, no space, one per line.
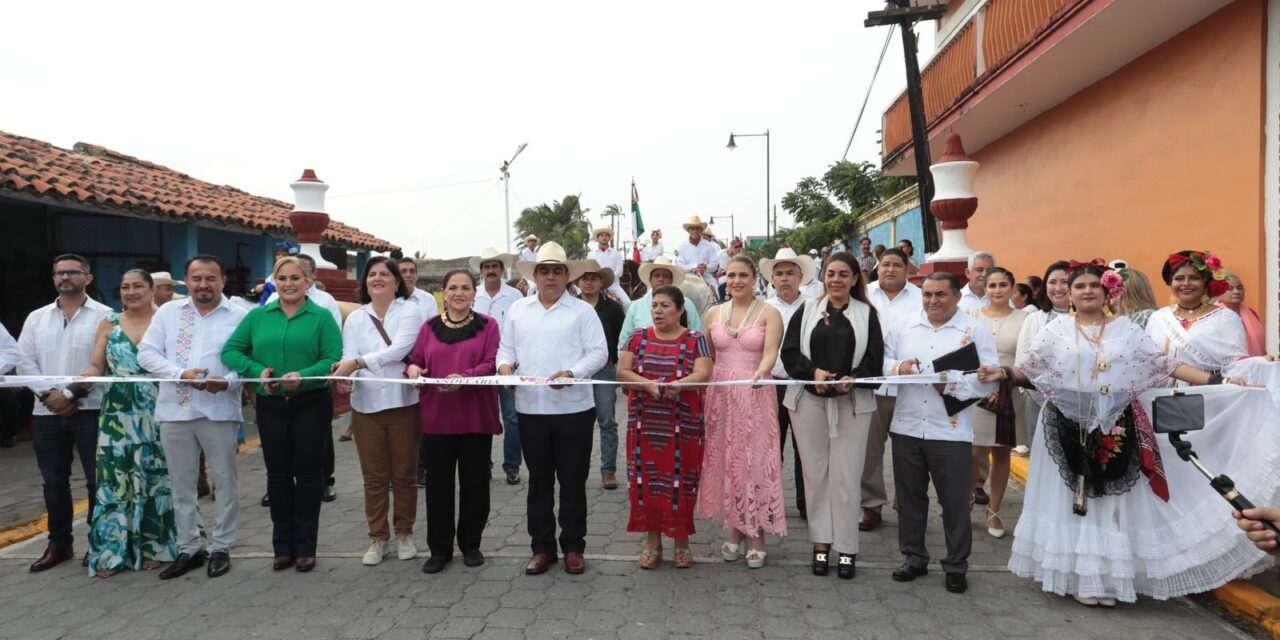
614,599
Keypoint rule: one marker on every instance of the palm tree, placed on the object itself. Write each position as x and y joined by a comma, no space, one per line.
563,221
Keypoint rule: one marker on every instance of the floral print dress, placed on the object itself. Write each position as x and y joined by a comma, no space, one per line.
133,521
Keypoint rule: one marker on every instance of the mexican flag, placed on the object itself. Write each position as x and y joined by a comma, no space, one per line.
637,223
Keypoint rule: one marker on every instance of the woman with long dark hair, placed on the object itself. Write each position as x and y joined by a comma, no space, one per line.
384,417
832,340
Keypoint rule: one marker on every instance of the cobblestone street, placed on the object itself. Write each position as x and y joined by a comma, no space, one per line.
614,599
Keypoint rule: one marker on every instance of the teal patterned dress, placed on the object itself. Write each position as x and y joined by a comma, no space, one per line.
133,520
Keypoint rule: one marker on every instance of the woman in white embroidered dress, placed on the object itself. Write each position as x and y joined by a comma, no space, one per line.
1086,529
1052,301
1193,329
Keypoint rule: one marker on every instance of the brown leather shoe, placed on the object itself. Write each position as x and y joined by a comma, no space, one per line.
53,556
609,481
870,520
540,563
980,496
304,564
280,563
574,563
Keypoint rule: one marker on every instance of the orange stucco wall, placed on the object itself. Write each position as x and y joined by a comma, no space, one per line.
1164,154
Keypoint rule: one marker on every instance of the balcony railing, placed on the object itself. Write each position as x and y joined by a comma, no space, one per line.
992,37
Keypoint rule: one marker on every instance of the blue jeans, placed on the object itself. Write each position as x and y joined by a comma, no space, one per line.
55,439
606,400
511,453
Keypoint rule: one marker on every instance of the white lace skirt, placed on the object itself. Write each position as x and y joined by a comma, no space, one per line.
1136,543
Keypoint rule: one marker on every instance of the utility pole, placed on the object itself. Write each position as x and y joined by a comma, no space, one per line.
506,190
905,14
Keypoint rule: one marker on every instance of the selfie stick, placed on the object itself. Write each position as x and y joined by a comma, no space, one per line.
1224,485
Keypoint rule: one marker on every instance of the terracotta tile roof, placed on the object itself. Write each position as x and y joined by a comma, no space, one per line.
98,176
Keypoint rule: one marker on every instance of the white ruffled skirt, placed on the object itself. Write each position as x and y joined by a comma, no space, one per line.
1136,543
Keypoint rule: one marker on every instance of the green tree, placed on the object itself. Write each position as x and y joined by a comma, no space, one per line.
563,221
827,209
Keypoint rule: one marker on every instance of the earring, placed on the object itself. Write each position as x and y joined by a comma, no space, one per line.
1106,311
1071,308
1204,298
1173,299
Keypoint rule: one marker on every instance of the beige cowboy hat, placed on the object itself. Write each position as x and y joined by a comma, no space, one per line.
531,237
489,255
808,269
606,274
595,233
164,277
662,262
694,221
553,253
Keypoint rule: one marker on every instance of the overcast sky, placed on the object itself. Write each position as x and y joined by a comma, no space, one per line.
383,100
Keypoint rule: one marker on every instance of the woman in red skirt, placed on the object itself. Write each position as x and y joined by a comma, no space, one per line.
664,426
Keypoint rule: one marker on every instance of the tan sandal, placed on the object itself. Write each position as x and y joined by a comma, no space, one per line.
650,558
683,558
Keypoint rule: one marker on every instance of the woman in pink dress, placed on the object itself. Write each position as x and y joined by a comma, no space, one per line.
741,464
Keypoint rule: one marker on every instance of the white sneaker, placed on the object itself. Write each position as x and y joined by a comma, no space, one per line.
377,551
405,548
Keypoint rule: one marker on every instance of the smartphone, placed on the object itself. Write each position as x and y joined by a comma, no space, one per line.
1178,413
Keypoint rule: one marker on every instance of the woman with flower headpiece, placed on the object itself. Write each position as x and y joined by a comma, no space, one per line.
1090,527
1193,329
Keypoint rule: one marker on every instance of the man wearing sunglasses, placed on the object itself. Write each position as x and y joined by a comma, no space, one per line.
57,339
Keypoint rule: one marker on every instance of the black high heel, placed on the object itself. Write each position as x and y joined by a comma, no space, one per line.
846,568
820,564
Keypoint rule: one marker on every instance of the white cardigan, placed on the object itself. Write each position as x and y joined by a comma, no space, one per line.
858,314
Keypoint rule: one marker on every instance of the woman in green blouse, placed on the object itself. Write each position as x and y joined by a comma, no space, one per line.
290,339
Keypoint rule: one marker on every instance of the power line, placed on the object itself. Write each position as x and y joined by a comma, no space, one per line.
414,185
887,37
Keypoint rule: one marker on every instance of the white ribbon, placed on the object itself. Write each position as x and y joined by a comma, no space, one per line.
47,382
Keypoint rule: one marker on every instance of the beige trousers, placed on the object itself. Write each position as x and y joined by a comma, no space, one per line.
832,468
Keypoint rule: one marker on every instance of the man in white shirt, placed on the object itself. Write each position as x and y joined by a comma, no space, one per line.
609,258
57,340
556,335
494,299
184,342
426,302
788,272
975,293
529,252
327,301
898,304
9,398
698,255
927,443
655,247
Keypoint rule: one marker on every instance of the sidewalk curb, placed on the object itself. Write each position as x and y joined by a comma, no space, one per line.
24,531
1238,596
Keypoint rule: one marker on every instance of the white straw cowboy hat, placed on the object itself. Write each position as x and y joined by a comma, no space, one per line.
595,233
662,262
808,269
694,221
489,255
606,274
553,253
531,237
164,277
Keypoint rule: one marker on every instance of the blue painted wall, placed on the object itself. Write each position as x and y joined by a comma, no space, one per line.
910,228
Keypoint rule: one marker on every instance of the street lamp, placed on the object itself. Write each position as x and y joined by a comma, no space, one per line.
768,198
506,189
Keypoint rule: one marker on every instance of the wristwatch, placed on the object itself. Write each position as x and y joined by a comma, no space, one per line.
68,394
